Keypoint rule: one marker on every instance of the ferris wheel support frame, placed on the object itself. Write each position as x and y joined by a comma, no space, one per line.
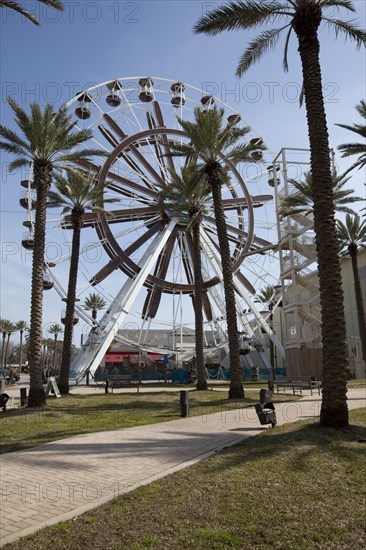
238,287
100,338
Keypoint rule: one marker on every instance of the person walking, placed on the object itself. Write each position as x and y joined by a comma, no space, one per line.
2,379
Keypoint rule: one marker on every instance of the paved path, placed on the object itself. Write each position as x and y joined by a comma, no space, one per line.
58,481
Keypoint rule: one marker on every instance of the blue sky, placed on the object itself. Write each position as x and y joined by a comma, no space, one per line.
93,42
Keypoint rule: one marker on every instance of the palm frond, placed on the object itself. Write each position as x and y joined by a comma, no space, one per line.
257,47
239,15
346,4
349,31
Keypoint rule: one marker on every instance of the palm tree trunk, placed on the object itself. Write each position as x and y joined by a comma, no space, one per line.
37,396
334,410
352,249
20,351
3,349
236,390
6,350
70,310
198,285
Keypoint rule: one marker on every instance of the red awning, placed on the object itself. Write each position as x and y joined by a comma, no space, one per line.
118,357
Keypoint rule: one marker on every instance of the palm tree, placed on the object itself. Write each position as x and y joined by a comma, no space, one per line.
21,326
186,195
304,17
8,328
352,235
11,4
76,194
4,324
267,295
94,303
212,140
349,149
55,329
47,143
302,202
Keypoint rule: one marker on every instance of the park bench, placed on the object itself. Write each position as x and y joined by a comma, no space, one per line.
298,384
120,381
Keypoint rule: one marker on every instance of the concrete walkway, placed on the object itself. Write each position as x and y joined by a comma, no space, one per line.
58,481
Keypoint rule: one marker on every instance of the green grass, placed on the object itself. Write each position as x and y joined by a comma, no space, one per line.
297,486
80,414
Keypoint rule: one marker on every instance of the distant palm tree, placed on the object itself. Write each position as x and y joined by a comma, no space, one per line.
185,195
20,327
76,194
357,148
11,4
302,200
94,303
47,143
304,18
4,323
55,329
212,139
352,235
268,296
9,328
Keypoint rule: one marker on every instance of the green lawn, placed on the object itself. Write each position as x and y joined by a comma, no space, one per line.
298,486
77,414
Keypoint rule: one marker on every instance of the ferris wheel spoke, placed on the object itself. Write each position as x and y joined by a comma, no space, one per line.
88,165
153,297
160,119
238,232
105,271
114,142
114,216
144,238
159,154
132,149
257,200
245,282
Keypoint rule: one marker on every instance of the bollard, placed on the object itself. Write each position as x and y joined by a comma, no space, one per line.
23,397
184,403
106,386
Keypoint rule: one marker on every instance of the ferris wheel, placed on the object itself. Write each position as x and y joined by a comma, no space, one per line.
143,254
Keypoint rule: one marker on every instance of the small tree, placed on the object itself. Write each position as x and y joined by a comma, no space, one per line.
94,303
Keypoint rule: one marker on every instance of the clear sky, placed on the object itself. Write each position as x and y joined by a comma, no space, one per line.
95,41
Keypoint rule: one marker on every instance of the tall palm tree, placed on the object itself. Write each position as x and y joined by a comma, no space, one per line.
94,303
302,201
46,144
11,4
55,329
186,194
212,140
76,194
21,326
352,235
357,148
304,18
